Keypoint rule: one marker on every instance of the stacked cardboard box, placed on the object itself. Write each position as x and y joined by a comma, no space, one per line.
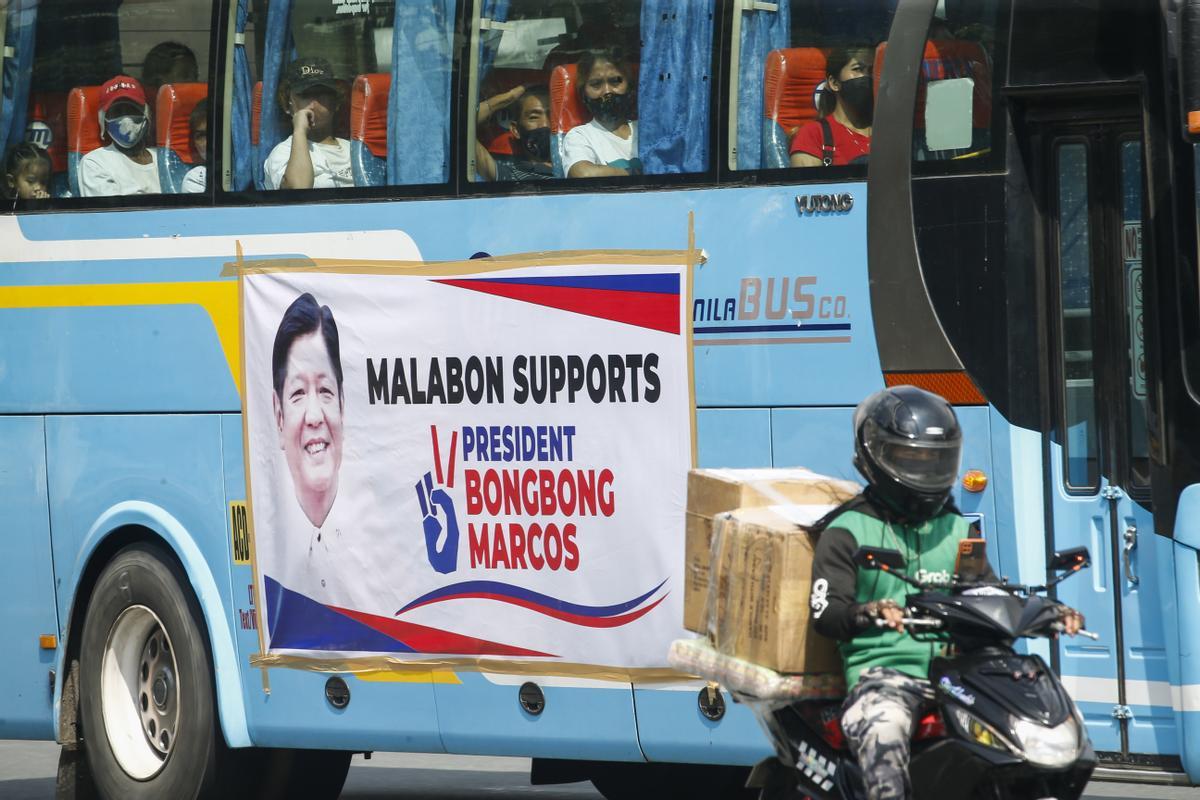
749,569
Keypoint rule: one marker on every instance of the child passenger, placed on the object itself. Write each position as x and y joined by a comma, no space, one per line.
197,176
312,157
126,165
27,173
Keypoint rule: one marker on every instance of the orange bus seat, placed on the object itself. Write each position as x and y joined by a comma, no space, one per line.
945,59
791,80
369,129
173,131
83,129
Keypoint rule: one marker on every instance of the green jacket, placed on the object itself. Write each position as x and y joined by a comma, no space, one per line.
840,588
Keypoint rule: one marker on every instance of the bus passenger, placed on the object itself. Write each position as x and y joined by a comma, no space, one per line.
126,165
608,144
197,177
530,130
168,62
27,173
311,96
846,105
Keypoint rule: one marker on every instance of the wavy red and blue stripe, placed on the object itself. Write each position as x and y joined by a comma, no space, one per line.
610,616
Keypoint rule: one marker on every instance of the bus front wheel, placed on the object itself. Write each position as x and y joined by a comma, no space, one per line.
147,709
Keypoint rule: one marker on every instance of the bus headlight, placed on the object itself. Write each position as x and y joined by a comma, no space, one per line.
1048,747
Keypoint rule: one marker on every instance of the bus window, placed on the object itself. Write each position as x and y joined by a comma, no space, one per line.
802,92
1080,421
364,85
107,90
808,71
590,89
953,115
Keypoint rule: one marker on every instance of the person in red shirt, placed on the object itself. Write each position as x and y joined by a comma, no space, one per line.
846,104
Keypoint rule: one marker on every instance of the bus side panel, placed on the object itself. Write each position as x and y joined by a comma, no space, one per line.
157,472
820,439
480,714
27,575
1187,593
671,727
733,437
119,358
288,708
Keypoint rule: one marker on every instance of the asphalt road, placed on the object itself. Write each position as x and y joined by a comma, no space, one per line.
27,773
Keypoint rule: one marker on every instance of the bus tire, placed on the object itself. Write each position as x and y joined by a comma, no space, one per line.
640,781
148,714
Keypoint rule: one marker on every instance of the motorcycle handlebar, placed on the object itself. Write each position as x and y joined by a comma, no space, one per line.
912,622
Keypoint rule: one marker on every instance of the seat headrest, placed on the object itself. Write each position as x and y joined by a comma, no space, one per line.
83,122
369,112
566,109
951,58
47,126
256,114
790,80
175,104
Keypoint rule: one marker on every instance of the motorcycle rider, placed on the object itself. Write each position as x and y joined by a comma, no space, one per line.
907,445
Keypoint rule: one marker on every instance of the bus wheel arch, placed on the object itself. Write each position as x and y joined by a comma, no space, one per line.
142,523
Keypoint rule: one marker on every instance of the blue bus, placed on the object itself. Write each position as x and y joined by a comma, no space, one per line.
1006,215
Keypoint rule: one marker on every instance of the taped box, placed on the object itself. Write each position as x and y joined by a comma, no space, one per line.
757,607
712,491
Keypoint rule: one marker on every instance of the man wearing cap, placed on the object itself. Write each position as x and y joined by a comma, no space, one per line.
125,165
312,157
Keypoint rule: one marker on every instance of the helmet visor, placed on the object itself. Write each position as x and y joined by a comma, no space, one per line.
923,466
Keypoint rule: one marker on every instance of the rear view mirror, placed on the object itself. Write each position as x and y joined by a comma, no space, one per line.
1074,558
879,558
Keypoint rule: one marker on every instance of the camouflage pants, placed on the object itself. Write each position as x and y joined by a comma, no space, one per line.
877,720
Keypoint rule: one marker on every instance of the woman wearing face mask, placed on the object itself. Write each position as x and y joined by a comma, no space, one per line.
846,104
125,165
608,144
530,132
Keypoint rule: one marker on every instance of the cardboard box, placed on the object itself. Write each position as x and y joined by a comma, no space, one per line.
762,577
712,491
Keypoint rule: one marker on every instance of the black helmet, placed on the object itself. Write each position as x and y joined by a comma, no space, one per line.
908,444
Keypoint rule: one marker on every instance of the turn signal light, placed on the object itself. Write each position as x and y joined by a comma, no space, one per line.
975,481
48,641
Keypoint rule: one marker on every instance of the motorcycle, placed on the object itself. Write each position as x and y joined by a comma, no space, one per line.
1002,726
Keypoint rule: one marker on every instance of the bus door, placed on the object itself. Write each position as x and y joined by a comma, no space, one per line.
1097,455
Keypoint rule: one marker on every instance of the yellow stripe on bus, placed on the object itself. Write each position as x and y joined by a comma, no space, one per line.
218,298
434,676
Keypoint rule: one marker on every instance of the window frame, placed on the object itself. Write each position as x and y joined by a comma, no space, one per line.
146,202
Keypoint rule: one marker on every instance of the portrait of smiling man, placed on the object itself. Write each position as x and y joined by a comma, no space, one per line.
309,404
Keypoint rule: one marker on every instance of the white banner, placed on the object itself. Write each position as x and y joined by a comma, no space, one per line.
488,464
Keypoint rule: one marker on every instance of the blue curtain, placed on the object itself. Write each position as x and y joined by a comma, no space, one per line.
19,29
674,86
762,32
419,101
242,89
496,11
277,54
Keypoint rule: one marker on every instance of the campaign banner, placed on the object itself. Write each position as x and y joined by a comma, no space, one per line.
470,462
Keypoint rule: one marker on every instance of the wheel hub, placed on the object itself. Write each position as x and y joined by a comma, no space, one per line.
157,701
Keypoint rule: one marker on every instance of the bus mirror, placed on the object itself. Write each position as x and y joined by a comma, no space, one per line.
879,558
1189,67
